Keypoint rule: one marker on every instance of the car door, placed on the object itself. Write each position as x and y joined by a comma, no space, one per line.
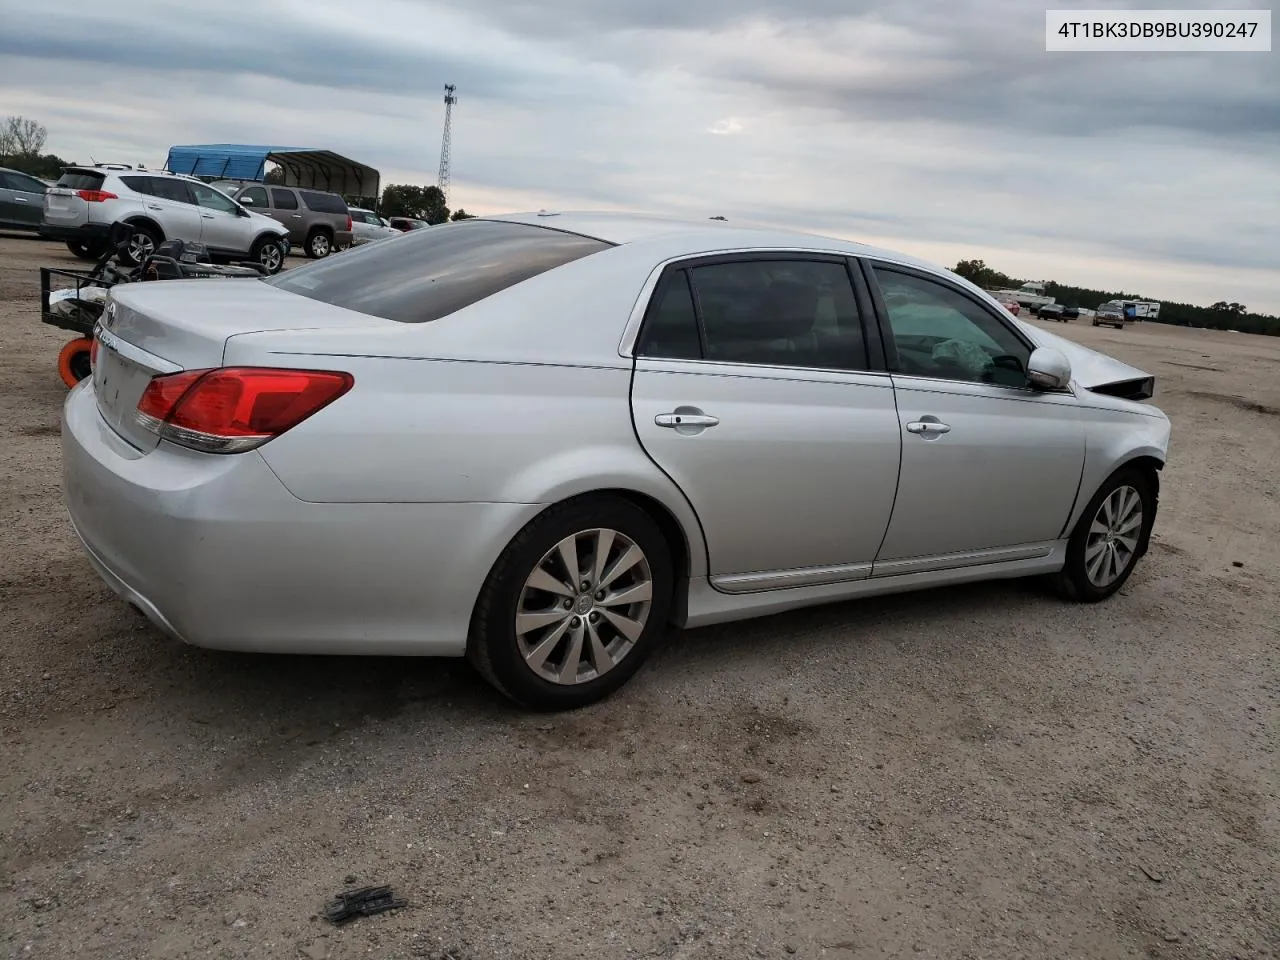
285,208
21,199
754,392
224,227
171,204
990,467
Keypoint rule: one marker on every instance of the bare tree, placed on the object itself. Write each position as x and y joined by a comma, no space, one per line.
22,137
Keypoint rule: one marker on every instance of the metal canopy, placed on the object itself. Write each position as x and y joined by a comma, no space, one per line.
303,166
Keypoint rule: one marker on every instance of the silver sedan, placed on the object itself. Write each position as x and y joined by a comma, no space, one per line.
538,440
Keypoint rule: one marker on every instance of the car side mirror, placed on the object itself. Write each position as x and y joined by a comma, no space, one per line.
1048,369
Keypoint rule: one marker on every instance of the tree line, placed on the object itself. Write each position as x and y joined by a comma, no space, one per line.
1223,315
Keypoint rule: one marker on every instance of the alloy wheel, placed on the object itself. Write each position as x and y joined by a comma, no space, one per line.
271,257
584,606
1112,544
141,246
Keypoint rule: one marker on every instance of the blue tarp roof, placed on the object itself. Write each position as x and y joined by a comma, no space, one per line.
303,166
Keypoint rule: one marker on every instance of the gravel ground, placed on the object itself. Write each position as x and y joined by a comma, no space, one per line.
970,773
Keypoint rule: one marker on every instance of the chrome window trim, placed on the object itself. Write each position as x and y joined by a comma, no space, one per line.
631,331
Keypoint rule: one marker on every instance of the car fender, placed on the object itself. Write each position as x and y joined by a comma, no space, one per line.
139,219
584,470
1112,439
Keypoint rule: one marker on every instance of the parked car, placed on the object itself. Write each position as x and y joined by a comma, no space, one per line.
405,224
367,225
1111,314
1070,313
86,201
1013,306
546,437
21,200
1050,311
318,222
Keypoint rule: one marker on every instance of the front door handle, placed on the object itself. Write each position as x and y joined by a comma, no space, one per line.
154,206
928,428
206,216
675,420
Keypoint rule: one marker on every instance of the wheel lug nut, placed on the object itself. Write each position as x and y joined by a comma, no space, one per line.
594,617
599,594
568,604
575,622
586,585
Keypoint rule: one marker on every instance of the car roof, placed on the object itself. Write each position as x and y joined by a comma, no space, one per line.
684,236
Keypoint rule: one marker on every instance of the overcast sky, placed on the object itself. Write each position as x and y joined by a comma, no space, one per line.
938,127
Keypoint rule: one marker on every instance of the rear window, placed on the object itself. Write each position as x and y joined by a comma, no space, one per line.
81,180
323,202
433,273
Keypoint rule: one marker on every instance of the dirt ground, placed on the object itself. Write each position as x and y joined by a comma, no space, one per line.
971,773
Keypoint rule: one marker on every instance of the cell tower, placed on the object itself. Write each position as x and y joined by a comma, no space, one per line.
442,178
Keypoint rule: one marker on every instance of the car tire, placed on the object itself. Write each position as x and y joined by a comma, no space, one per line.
144,234
612,622
73,360
268,253
319,244
87,249
1110,528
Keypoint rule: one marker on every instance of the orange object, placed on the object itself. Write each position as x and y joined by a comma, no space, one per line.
74,360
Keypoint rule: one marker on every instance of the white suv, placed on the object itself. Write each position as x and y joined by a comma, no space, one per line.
81,207
367,226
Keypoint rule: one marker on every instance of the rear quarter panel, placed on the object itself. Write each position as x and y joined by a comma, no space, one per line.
440,431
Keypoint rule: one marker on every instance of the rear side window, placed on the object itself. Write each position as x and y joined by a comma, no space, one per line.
432,273
81,180
323,202
167,189
137,184
284,200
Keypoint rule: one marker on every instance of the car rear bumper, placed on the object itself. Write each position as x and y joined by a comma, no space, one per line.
217,553
86,231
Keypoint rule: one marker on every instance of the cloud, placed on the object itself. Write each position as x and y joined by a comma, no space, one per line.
726,127
923,124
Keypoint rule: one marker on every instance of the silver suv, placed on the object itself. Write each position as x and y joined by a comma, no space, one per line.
81,207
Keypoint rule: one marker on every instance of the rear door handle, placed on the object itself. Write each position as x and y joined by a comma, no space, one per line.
154,206
675,420
297,216
928,428
206,216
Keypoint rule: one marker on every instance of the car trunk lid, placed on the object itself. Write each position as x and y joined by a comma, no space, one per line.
157,328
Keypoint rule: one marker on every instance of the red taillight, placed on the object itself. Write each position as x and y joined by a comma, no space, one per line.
348,223
93,352
96,196
230,409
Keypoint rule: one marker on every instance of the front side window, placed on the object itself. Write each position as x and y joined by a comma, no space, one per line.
436,272
792,313
211,199
939,332
257,196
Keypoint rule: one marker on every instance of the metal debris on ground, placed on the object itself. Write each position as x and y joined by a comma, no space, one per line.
364,902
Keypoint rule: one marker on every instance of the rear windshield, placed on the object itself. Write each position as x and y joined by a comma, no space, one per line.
432,273
81,180
323,202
